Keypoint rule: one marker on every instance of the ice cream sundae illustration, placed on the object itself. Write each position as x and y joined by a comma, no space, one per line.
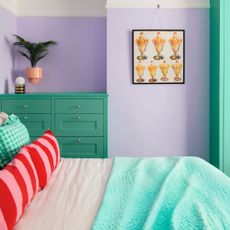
152,71
164,67
177,70
158,42
140,71
142,43
175,43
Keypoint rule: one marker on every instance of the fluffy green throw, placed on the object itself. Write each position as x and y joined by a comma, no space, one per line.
165,193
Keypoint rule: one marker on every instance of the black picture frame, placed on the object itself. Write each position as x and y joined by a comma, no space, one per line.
134,55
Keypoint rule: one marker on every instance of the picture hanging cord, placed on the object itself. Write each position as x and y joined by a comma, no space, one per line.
156,15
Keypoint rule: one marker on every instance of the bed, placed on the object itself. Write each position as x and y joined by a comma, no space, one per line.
71,199
39,190
131,193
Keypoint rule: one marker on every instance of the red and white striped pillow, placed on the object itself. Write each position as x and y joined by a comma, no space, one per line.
45,155
18,185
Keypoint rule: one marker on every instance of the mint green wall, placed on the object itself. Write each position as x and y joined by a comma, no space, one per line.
215,84
220,85
225,50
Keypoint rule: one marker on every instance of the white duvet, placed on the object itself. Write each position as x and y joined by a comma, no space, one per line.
71,199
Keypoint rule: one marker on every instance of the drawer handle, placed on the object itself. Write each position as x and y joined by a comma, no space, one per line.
25,118
78,106
78,141
26,106
79,118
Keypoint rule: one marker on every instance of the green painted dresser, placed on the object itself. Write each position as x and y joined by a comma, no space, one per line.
79,120
220,85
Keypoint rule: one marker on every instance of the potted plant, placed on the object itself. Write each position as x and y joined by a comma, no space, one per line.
34,52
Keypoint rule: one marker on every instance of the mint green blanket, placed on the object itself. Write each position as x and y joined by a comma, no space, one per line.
163,194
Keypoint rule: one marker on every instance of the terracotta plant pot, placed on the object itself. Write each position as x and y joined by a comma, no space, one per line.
34,74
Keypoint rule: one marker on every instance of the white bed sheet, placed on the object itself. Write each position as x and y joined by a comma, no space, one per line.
71,199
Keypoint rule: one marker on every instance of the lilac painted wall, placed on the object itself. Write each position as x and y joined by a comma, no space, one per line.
7,28
78,62
158,120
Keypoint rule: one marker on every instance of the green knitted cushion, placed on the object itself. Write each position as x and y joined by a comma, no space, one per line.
13,135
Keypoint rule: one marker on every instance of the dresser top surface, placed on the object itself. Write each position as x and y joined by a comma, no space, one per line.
62,95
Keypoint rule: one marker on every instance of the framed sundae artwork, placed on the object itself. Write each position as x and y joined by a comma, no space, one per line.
158,56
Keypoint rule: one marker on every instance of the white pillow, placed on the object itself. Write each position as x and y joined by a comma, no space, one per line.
3,117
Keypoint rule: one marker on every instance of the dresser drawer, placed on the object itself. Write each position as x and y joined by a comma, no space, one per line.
36,123
81,147
79,106
79,124
26,106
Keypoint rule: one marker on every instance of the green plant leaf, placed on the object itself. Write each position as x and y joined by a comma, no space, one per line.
33,51
40,57
23,54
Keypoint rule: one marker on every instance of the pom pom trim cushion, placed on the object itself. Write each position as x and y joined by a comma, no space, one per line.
45,154
18,183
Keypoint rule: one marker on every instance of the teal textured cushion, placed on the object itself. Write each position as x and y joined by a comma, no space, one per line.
13,135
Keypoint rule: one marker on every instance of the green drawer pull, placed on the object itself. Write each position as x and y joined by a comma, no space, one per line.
25,118
78,106
79,118
26,106
78,141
